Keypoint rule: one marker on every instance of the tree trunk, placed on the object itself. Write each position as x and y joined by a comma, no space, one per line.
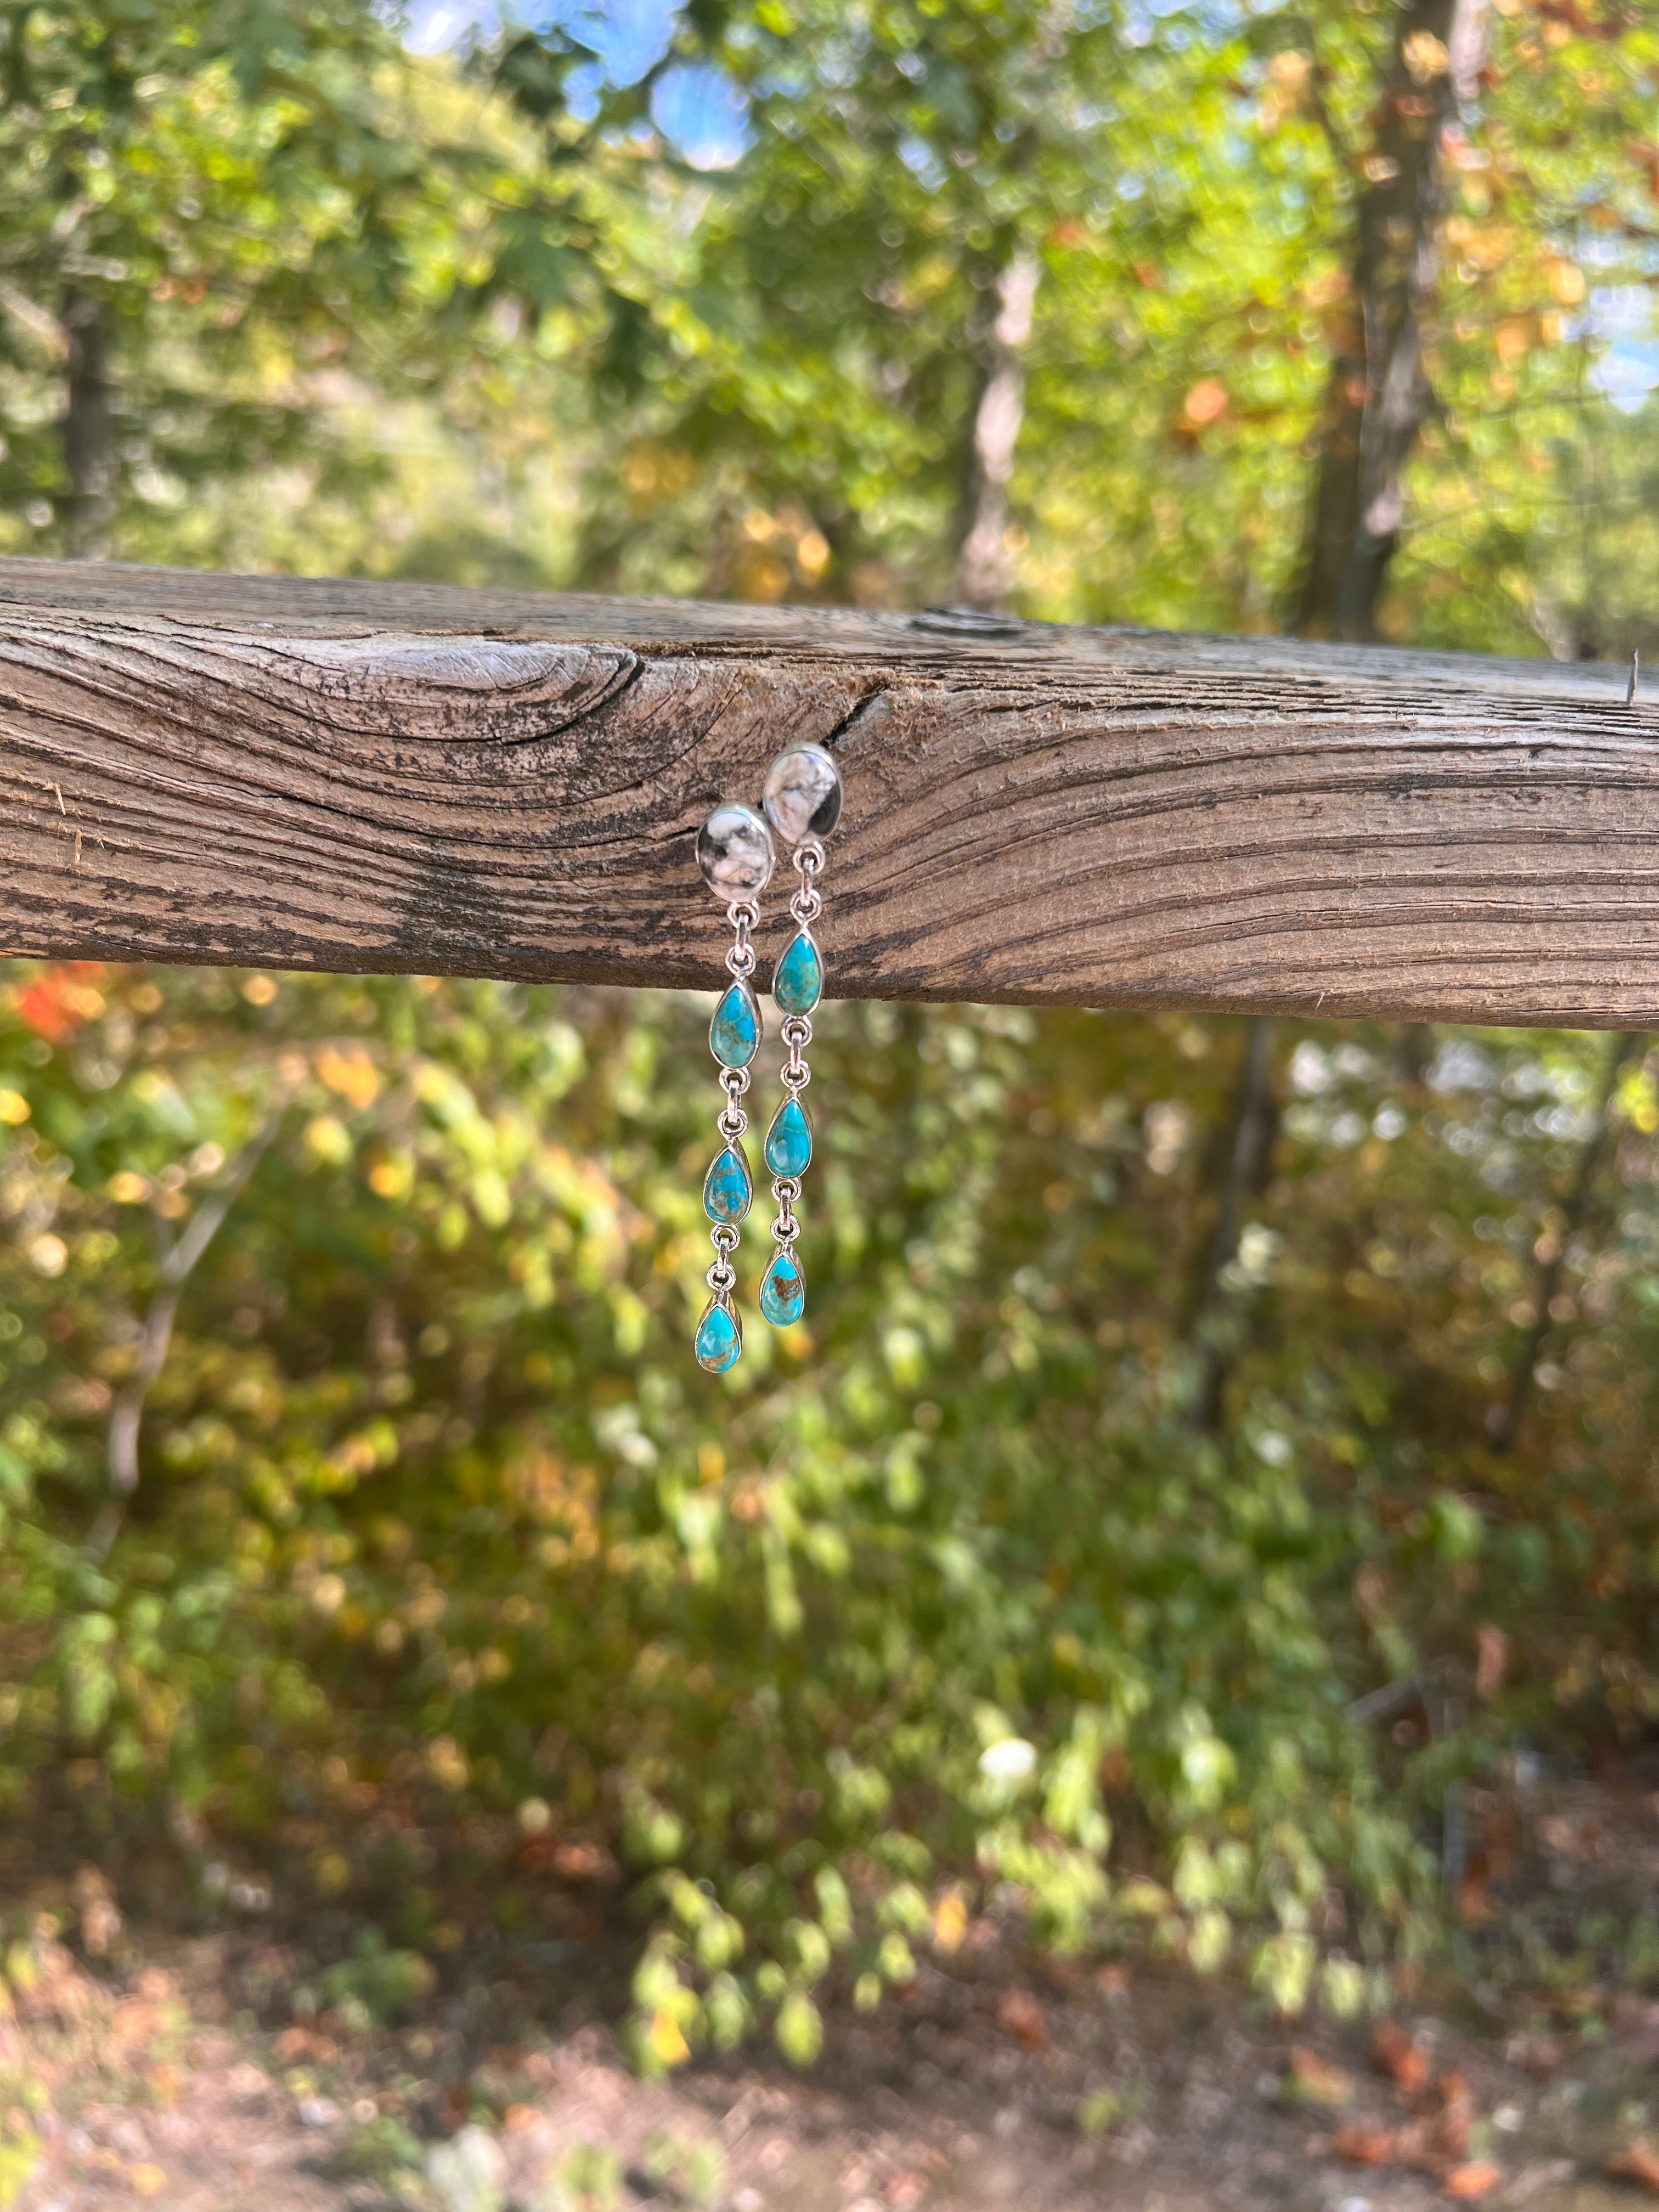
1217,1331
88,430
1504,1421
985,566
1380,394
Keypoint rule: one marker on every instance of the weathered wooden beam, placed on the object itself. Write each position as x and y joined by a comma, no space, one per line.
367,776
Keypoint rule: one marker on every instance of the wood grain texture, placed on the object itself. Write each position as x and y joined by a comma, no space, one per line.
365,777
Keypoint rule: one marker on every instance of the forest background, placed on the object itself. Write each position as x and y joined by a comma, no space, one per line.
1169,1386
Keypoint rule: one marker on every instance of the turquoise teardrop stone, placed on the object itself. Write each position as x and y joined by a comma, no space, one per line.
734,1035
726,1190
789,1141
798,983
783,1290
719,1342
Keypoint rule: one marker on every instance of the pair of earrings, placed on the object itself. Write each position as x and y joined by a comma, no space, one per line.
801,802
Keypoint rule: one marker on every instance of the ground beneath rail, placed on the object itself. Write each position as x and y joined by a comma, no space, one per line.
136,2066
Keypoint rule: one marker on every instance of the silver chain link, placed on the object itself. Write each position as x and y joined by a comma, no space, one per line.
797,1034
807,904
722,1278
731,1121
743,914
785,1189
724,1235
796,1031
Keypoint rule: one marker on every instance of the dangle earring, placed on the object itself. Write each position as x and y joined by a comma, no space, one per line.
802,800
734,851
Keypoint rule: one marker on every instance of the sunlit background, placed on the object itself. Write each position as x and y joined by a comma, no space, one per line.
711,302
1169,1387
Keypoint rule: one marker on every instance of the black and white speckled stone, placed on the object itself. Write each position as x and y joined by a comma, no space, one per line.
802,797
735,853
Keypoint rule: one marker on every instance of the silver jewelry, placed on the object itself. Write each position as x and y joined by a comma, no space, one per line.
802,799
735,853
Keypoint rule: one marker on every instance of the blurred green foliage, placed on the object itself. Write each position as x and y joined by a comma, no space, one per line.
441,317
445,1571
941,1603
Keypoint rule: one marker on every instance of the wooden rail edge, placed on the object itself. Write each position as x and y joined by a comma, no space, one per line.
376,777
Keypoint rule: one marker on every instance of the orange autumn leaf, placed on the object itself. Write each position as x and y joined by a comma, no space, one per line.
1476,2180
1400,2058
1639,2163
1315,2080
1451,2130
1205,401
1020,2015
1474,1900
59,999
667,2044
352,1073
950,1922
1363,2145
